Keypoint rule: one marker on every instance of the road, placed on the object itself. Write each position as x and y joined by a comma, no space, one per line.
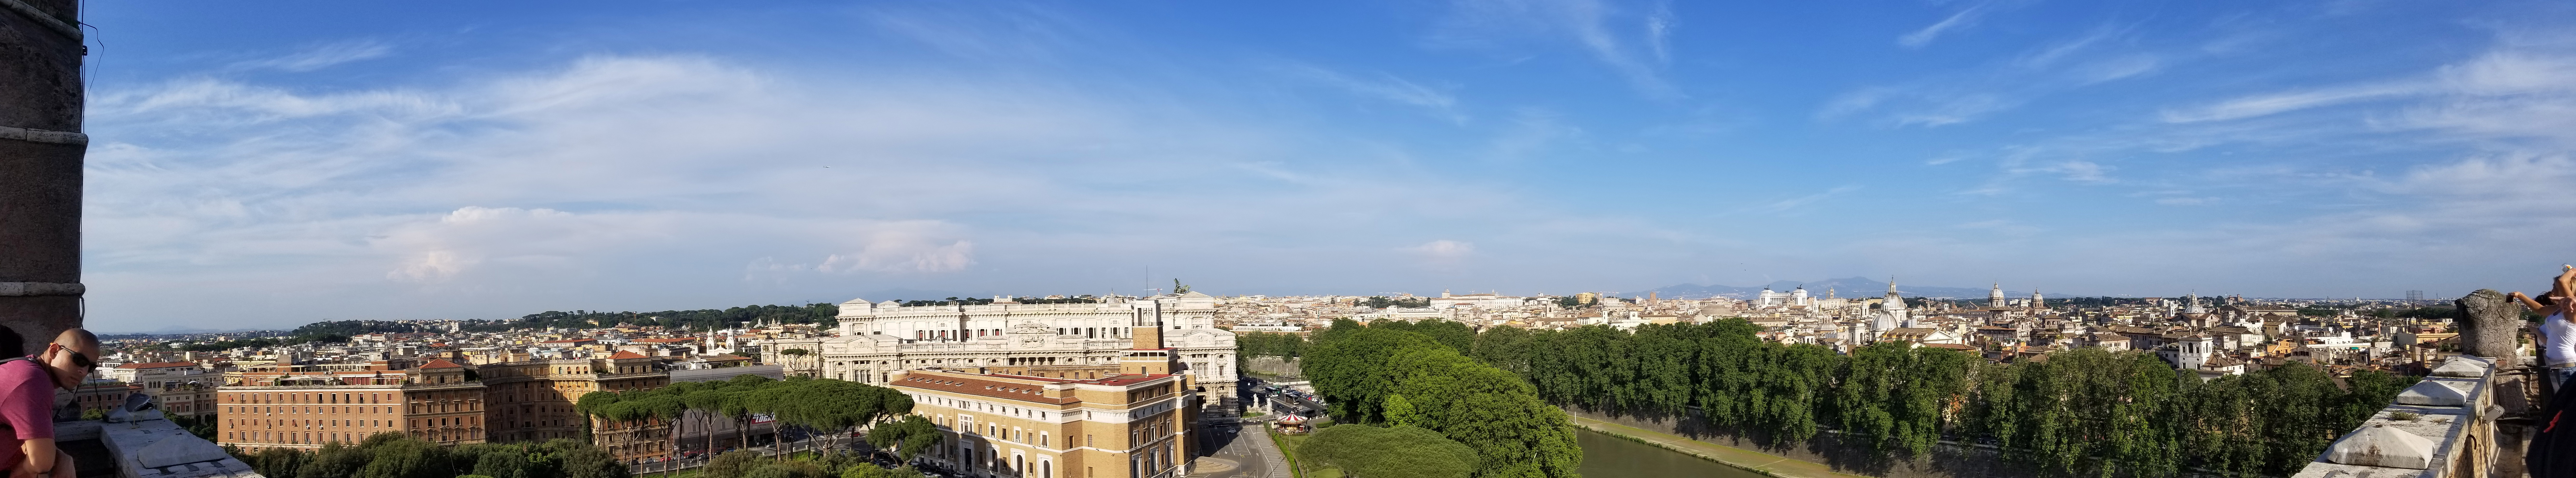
1246,443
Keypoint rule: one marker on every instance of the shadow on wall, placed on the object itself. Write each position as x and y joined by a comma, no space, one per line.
1948,460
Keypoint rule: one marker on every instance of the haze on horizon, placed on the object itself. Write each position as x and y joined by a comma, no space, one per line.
278,164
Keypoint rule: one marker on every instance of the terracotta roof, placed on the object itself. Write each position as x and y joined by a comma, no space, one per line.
622,355
440,363
137,366
1005,390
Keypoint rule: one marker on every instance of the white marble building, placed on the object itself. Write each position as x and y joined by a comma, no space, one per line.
1048,340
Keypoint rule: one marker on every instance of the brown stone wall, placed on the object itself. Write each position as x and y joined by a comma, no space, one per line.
40,181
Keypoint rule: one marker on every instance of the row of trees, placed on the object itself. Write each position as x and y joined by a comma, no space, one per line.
829,464
811,404
393,455
2085,411
1394,375
1382,302
1270,344
816,313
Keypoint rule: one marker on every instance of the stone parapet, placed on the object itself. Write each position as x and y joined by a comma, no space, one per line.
148,447
2442,427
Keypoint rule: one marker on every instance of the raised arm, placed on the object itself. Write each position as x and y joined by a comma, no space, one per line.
2526,301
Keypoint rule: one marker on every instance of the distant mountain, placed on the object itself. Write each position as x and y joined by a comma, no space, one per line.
1848,287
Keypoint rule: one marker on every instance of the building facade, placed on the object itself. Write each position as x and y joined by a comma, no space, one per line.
1062,341
1133,422
436,402
534,398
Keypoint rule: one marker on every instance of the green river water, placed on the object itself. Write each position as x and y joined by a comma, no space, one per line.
1606,456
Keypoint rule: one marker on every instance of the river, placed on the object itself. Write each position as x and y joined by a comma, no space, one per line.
1606,456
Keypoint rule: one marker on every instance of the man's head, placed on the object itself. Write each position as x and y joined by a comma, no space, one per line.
71,358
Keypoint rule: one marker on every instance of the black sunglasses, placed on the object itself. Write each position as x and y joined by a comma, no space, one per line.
80,360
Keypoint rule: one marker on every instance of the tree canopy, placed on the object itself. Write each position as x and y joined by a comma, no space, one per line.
1363,451
1388,374
393,455
2081,411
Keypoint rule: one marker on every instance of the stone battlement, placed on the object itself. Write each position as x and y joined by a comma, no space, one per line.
2443,426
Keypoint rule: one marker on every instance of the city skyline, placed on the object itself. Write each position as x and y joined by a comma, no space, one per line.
421,162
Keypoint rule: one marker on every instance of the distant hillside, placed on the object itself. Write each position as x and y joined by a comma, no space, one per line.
1845,287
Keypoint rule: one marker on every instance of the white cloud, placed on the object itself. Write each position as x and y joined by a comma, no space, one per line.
1587,24
1962,19
1384,87
2274,103
1444,249
323,56
682,181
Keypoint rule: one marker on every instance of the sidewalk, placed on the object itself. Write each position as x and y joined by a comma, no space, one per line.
1773,465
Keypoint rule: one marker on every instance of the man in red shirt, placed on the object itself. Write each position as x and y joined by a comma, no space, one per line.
27,404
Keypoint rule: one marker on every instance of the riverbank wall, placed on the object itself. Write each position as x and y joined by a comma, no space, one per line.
1832,449
1274,366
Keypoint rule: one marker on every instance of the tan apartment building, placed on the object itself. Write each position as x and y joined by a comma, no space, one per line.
436,402
1132,422
533,399
103,394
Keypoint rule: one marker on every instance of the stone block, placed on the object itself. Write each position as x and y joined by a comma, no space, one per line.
2379,445
2461,366
2433,393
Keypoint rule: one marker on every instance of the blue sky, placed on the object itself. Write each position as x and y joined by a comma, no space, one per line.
280,163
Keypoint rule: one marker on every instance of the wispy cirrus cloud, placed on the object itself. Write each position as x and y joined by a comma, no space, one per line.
563,184
1601,30
1382,86
1972,94
1964,18
322,56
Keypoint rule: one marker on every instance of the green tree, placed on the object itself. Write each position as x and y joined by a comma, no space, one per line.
1349,369
1514,433
908,437
731,464
1363,451
509,463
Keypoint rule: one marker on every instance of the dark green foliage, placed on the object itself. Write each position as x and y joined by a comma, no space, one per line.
1350,369
345,328
818,313
1370,452
1457,336
393,455
260,342
1383,374
732,464
2079,412
503,464
1270,344
1381,302
823,405
787,469
201,426
864,470
907,437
